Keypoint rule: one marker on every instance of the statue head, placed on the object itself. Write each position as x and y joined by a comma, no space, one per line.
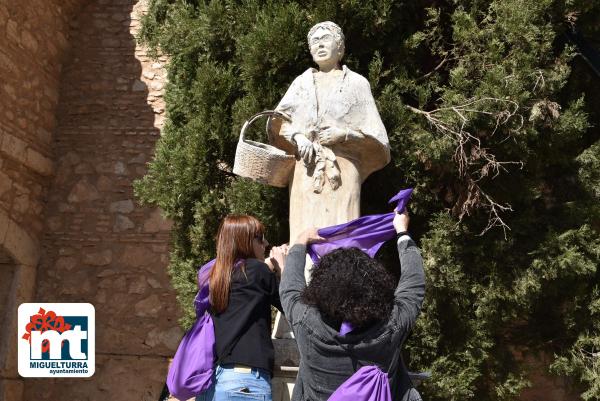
326,44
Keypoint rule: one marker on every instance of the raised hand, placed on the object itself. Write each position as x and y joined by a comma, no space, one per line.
401,221
276,259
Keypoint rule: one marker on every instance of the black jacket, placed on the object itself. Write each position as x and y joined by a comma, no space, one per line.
242,331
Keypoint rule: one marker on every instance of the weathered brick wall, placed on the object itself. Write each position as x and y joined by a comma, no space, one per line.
33,45
34,39
99,245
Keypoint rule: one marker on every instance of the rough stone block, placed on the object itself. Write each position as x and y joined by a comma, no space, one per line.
101,258
14,147
5,183
148,307
156,223
21,204
124,206
55,223
29,41
138,286
38,162
24,248
105,184
139,86
169,338
122,223
12,31
83,168
65,263
83,191
7,63
137,256
154,283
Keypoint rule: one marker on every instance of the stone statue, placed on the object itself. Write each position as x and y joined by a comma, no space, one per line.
336,129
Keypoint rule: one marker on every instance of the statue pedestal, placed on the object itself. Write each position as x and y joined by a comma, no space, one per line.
287,360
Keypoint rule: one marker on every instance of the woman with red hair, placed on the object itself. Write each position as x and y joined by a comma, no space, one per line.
242,288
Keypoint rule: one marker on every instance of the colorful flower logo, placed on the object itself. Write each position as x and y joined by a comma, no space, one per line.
44,321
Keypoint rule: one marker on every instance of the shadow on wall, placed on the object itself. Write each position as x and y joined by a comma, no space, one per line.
7,303
99,245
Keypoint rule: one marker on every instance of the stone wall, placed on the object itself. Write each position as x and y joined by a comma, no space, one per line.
34,40
66,178
100,246
33,46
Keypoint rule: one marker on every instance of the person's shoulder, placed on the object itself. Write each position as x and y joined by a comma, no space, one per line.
258,266
356,78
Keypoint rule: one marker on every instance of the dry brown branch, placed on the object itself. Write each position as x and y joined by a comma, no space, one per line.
474,161
436,68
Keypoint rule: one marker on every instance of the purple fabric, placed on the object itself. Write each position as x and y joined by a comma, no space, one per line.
201,302
191,371
345,328
367,233
369,383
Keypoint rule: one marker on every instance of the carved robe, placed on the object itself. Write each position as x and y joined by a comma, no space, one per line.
327,192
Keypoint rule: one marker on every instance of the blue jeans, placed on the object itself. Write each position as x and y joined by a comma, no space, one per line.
236,386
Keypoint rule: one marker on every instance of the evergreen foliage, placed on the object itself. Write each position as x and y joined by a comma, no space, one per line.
492,117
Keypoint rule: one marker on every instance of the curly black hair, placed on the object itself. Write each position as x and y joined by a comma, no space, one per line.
347,285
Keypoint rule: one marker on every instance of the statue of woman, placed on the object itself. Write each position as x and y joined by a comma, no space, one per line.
336,129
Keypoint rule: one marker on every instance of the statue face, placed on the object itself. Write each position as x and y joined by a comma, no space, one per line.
324,48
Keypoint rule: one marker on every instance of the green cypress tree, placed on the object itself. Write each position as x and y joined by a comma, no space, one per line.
491,116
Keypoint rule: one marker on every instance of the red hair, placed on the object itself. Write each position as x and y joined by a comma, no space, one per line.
234,241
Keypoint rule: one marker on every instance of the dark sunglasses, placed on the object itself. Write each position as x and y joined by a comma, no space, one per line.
262,239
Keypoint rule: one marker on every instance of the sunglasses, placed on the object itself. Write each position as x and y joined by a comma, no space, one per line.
262,239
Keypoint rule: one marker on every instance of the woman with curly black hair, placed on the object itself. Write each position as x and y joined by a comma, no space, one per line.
348,286
352,314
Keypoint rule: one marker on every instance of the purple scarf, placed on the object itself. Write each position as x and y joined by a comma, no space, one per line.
367,233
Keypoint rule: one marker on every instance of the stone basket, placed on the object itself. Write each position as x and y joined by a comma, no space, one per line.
260,162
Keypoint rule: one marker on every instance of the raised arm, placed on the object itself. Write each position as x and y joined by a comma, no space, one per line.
410,291
292,279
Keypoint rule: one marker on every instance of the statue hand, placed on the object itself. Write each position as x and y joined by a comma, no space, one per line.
305,147
332,135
